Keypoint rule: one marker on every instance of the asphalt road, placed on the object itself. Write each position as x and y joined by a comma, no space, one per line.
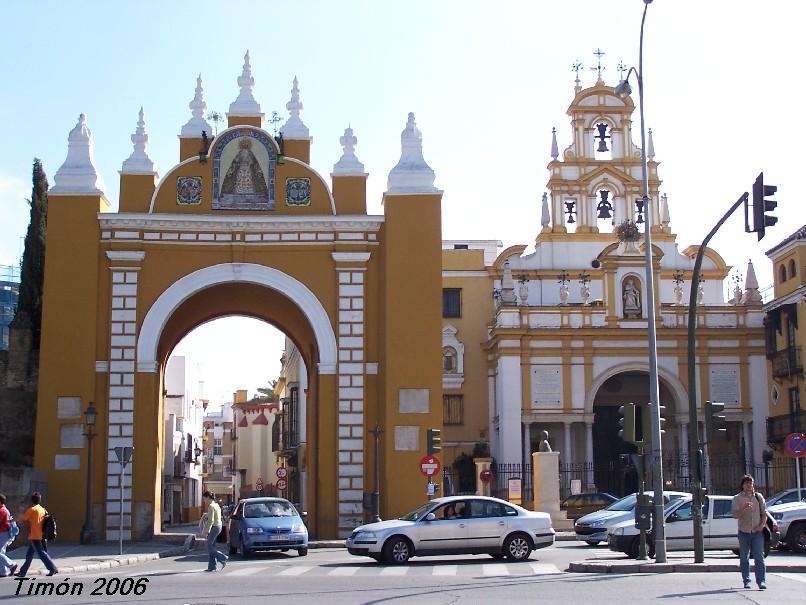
339,578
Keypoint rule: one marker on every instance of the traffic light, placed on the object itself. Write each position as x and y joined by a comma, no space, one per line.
627,422
433,441
646,422
715,423
761,206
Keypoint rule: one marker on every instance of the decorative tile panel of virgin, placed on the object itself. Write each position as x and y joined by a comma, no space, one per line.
244,171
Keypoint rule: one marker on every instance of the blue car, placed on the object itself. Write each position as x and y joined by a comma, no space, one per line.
266,524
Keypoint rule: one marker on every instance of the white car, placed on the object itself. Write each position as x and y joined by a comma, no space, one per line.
719,528
455,525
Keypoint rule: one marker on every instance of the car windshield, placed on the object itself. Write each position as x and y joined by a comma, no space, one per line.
786,496
417,512
625,504
255,510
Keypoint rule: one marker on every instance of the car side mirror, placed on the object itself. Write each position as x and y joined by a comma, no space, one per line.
303,513
430,517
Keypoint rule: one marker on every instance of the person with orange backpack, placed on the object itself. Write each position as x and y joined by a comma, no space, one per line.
35,516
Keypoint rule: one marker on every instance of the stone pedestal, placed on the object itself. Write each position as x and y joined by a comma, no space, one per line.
546,482
482,488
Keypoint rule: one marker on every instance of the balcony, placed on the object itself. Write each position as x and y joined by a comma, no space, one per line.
787,362
778,427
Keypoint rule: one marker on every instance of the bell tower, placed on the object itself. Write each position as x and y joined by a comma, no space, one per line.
596,184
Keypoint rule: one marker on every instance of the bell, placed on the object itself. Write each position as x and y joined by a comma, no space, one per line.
569,209
604,207
602,136
602,146
639,206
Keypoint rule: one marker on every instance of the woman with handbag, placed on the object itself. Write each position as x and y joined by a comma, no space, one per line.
8,531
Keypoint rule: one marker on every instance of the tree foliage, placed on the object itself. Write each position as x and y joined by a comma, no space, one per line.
29,305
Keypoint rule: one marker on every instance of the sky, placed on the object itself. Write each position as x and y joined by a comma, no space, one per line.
486,81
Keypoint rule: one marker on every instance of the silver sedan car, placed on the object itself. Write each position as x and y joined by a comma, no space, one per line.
455,525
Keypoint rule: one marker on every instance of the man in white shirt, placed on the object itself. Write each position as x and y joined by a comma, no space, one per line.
750,510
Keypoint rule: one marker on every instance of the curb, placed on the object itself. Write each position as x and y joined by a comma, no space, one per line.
121,561
623,568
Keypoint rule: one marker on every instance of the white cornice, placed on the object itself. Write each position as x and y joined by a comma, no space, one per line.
240,223
350,257
131,255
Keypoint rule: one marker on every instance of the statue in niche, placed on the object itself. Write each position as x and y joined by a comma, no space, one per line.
632,299
244,180
545,446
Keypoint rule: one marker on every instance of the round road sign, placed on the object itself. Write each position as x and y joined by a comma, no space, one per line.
281,472
281,484
429,466
486,475
795,445
259,484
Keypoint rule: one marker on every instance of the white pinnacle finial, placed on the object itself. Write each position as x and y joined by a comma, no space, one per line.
650,147
665,218
294,127
554,151
139,162
348,165
751,294
245,104
78,174
411,174
545,217
197,123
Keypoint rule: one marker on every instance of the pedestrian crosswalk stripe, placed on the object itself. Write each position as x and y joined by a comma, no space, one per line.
343,571
294,571
543,568
798,577
245,571
394,571
445,570
494,570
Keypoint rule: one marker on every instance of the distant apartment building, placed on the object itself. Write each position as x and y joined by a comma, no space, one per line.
183,445
9,293
290,431
219,452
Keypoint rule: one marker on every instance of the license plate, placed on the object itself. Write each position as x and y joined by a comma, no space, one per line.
277,538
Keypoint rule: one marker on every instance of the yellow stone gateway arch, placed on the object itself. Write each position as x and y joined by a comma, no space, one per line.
241,225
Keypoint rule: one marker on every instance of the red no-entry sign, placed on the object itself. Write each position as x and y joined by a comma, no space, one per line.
486,475
281,484
795,445
429,466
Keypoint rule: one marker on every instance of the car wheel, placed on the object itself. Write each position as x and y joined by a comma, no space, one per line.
518,547
397,550
302,552
243,550
635,548
593,542
232,549
796,538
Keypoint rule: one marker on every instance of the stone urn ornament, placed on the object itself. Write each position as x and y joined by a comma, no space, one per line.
628,234
678,287
523,289
563,280
584,288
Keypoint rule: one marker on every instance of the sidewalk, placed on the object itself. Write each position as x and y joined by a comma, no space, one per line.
683,562
71,557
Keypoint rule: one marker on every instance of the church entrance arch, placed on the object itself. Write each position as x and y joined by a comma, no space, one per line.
614,466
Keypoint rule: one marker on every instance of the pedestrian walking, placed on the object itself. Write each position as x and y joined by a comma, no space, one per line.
211,531
35,515
750,510
7,566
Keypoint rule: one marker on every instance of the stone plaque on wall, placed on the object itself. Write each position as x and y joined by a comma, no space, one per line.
68,407
724,385
547,386
413,401
67,462
71,436
407,438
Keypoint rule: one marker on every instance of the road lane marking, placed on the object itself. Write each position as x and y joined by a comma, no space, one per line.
343,571
543,568
394,571
445,570
245,571
489,569
295,571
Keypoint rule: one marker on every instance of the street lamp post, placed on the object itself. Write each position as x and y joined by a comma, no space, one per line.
376,495
88,531
623,90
